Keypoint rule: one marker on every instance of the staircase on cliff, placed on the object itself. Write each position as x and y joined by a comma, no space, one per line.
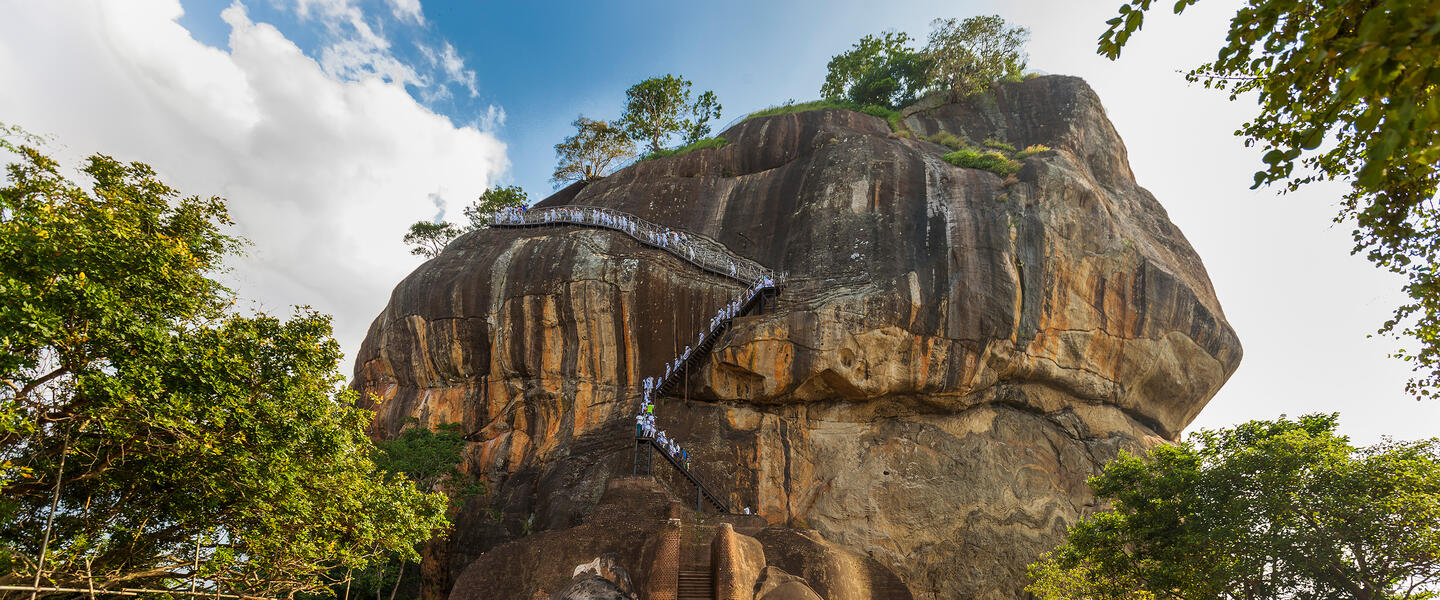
709,255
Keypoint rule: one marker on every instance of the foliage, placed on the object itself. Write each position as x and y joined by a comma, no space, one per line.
994,162
428,239
1350,91
590,154
1267,509
1030,151
179,423
947,139
892,117
995,144
659,108
704,144
966,57
491,201
881,71
431,459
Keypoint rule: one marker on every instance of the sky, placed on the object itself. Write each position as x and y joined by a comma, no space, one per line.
331,125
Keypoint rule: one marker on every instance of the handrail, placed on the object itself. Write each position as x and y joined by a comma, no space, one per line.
695,249
704,491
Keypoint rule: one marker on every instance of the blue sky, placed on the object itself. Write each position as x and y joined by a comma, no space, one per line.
331,125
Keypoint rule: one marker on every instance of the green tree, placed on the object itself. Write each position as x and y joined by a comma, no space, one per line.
1349,90
659,108
491,201
591,153
1267,509
153,438
966,57
427,238
880,71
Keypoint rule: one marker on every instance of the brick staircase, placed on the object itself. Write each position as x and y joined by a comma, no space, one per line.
696,585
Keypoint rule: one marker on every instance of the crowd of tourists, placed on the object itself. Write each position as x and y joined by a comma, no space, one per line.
678,243
665,238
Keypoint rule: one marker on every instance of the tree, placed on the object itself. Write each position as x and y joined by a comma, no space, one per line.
491,201
882,71
151,437
1349,91
1267,509
966,57
428,238
659,108
591,152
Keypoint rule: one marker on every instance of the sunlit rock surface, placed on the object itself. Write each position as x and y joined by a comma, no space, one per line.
952,353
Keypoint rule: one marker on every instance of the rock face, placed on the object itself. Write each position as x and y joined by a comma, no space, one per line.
951,355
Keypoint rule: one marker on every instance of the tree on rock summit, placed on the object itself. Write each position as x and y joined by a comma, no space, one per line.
659,108
592,152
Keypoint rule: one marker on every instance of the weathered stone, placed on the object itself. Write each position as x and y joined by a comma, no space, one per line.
952,354
609,567
736,561
591,587
776,584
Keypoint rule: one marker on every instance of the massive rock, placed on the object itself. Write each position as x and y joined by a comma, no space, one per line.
952,354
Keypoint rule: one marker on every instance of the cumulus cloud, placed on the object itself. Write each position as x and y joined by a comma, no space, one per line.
407,10
452,65
323,173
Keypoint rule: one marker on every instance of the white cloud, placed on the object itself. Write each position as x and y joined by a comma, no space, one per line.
407,9
356,50
452,65
323,174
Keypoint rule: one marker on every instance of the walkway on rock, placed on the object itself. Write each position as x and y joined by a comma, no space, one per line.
700,251
695,249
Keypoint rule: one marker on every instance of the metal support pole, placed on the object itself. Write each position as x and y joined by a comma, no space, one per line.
699,499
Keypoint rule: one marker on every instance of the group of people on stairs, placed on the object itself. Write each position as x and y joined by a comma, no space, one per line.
675,242
645,420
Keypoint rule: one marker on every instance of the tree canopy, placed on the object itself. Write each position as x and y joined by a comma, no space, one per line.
961,57
1267,509
150,436
428,238
595,149
1349,90
881,71
967,56
659,108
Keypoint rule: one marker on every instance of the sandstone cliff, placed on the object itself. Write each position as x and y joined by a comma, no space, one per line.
953,352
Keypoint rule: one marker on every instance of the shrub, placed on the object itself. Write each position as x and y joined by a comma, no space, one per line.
948,140
999,145
993,162
710,142
1031,150
890,116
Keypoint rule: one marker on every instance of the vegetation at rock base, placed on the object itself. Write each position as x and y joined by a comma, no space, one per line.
960,57
1267,509
596,148
1348,91
428,238
152,436
433,460
659,108
703,144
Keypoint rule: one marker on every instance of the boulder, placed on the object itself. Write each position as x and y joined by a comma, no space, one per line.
951,355
776,584
590,586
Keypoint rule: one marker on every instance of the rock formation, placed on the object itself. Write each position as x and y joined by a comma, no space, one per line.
952,353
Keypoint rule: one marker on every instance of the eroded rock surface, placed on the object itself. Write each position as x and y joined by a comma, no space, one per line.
952,354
